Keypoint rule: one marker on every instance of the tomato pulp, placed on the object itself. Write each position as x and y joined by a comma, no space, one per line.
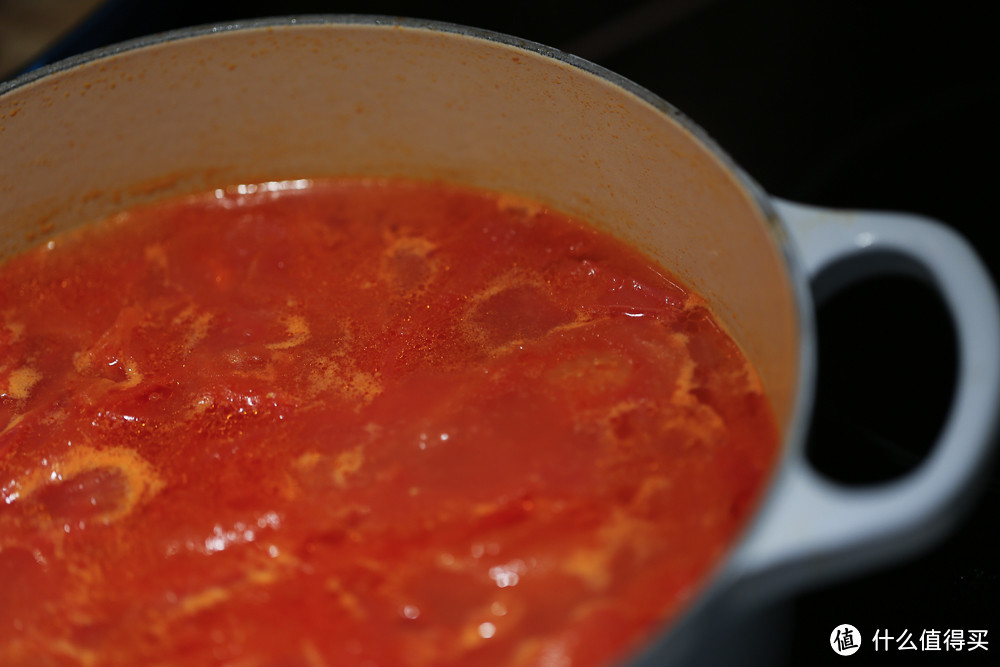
360,422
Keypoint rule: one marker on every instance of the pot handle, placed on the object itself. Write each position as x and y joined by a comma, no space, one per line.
812,529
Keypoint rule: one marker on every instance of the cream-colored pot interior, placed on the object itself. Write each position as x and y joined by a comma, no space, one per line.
273,102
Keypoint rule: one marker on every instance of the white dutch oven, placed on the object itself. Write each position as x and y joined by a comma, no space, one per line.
298,98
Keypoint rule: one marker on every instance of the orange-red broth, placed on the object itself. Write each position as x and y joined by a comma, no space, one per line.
361,422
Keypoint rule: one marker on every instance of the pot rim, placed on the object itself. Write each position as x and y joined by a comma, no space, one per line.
723,574
795,430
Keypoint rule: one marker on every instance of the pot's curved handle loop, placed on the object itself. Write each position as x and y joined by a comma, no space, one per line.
813,529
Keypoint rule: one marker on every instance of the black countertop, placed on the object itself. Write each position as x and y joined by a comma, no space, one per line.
858,104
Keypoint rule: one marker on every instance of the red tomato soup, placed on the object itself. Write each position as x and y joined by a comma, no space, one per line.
360,422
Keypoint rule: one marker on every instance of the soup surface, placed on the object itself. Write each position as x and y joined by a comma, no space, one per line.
359,423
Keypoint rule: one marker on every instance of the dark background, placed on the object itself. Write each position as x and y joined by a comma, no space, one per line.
887,105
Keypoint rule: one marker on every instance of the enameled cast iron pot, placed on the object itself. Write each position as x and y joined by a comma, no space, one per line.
321,96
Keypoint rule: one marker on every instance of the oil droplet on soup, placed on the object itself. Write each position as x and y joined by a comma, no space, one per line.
362,422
